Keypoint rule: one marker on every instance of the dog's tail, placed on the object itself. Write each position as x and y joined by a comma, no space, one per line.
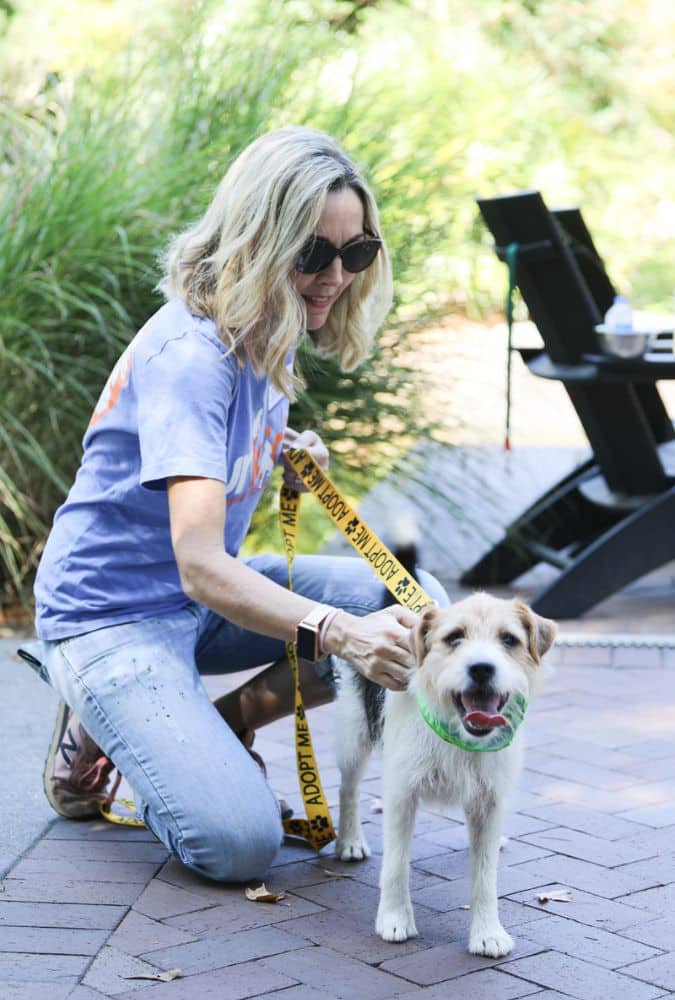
408,557
404,543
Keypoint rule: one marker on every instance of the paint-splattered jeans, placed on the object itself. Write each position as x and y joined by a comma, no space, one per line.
137,689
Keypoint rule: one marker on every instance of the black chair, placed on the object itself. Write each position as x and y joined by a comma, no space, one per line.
591,265
611,520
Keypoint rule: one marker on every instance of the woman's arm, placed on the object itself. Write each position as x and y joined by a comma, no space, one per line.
378,645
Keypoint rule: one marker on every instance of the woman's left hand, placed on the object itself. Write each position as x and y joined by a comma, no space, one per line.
312,443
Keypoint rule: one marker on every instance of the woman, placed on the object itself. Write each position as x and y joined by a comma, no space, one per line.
140,588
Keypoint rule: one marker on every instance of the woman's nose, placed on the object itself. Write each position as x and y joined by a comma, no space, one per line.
334,269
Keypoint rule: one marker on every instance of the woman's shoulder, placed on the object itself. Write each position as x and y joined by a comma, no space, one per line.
174,328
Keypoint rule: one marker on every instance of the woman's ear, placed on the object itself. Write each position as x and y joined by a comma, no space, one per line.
422,634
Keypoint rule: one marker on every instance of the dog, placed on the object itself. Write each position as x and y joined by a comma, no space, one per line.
473,659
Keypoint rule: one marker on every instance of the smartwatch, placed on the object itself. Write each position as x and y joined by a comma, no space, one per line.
308,632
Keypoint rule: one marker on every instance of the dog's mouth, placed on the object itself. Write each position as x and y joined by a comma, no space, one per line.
480,712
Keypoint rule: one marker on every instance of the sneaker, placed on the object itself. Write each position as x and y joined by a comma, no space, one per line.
76,771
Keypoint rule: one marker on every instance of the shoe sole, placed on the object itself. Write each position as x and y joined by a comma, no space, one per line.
57,736
76,808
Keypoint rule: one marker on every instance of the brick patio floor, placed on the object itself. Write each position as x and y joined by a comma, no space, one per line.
91,907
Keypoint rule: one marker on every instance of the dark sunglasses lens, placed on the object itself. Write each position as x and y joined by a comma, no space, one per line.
358,256
316,254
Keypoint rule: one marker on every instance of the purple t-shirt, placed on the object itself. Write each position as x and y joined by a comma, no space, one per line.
174,405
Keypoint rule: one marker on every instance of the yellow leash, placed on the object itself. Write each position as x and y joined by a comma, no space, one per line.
113,817
393,575
317,829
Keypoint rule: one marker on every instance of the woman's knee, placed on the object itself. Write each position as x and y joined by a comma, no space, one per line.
235,848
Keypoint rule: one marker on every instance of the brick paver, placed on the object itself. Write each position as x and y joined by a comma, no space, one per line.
579,979
92,910
659,971
137,934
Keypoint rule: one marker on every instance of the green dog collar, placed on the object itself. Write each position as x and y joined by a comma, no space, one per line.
500,737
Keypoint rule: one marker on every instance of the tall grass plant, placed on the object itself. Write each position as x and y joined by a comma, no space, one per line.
438,102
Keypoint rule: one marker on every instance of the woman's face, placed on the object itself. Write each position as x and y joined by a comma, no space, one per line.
340,222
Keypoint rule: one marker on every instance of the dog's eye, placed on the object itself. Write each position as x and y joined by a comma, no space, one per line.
508,639
455,637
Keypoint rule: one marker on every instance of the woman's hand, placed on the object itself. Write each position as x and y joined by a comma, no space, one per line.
377,645
313,444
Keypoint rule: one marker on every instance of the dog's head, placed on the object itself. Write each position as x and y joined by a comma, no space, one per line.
472,656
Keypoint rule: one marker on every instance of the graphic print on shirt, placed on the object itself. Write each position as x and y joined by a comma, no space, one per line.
252,470
118,379
112,390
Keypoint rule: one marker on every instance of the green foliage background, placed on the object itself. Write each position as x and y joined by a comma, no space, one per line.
115,127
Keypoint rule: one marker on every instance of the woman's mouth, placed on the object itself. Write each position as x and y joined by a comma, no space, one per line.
319,301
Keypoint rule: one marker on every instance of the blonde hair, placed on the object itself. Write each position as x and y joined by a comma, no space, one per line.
235,264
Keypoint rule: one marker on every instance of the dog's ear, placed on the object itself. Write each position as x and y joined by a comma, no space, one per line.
540,631
422,633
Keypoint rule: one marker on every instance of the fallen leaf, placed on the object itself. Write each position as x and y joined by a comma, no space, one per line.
162,977
263,895
557,896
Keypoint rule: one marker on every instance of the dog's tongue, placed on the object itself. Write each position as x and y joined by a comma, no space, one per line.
484,720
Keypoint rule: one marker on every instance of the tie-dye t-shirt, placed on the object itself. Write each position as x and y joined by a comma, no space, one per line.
174,405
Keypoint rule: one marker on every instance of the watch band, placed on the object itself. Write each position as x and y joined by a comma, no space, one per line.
308,632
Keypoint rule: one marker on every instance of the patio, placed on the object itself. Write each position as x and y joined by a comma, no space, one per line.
100,905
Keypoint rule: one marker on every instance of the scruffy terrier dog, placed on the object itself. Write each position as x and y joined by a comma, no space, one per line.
478,662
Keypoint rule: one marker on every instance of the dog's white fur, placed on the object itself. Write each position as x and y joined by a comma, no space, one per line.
418,764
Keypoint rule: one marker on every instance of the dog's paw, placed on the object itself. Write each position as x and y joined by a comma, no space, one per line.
492,942
352,848
396,925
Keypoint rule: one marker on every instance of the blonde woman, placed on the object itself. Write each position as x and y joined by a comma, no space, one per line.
141,588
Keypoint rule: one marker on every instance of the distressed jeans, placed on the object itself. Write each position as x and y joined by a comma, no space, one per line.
136,688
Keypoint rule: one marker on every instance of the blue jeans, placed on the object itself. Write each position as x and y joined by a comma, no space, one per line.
137,690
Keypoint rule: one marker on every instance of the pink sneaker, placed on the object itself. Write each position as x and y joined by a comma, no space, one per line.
77,772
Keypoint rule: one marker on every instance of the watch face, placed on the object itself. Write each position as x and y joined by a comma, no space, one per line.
307,642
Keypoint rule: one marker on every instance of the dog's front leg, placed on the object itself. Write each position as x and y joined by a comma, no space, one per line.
395,917
486,935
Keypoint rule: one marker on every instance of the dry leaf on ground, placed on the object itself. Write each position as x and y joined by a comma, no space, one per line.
329,871
263,895
162,977
557,896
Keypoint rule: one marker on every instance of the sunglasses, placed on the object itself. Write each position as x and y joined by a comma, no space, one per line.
319,253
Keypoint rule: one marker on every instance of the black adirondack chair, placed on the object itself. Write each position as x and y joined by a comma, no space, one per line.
612,519
602,291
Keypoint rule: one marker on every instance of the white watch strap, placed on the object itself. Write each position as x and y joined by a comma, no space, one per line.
317,615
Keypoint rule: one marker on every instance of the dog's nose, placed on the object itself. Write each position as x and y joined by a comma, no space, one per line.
481,673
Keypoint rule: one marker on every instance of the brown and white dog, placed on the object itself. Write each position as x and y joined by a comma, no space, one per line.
470,658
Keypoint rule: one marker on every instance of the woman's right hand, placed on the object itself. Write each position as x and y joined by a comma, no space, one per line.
377,645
